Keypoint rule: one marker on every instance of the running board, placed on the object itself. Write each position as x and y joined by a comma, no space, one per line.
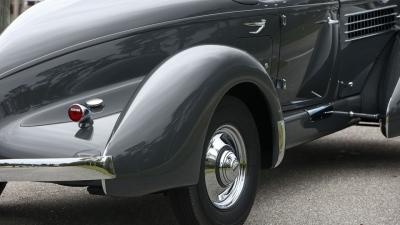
300,127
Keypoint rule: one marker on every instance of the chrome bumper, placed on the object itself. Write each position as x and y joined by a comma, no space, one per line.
63,169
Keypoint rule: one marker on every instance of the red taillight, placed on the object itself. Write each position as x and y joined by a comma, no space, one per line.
76,113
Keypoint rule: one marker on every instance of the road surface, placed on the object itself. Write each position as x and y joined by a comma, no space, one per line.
352,177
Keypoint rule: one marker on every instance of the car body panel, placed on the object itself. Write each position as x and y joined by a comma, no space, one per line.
84,24
307,61
357,58
161,68
390,96
156,142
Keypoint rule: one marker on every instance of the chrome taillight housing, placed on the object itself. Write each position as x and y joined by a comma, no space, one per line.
83,113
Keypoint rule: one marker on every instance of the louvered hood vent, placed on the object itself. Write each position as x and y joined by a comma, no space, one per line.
370,22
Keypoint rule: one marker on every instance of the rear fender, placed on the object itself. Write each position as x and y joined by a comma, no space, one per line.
158,141
390,95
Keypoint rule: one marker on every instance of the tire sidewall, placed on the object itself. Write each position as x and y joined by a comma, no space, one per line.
2,187
235,113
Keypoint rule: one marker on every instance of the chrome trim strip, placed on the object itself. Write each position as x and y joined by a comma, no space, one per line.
366,28
282,142
371,10
370,35
103,185
304,5
387,122
59,169
373,18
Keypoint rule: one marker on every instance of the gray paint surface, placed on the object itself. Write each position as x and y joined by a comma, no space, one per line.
162,66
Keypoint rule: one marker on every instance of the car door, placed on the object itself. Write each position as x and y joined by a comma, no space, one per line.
259,36
309,45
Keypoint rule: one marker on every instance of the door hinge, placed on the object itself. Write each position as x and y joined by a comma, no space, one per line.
280,83
283,20
332,21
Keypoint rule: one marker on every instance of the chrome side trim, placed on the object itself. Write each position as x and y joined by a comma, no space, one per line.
387,120
103,185
60,169
282,142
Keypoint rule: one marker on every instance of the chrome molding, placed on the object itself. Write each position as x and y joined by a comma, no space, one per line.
386,123
60,169
282,142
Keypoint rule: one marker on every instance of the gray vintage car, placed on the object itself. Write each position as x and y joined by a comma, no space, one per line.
189,97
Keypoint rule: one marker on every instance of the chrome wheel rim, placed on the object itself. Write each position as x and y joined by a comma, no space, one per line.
225,167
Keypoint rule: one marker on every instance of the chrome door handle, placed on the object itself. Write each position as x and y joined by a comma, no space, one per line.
261,25
331,21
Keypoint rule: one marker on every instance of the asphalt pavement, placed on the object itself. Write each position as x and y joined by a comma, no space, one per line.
352,177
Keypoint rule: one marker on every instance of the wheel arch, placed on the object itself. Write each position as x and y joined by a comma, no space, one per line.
250,94
381,92
158,141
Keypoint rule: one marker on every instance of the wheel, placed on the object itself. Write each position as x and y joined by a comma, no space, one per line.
229,171
2,186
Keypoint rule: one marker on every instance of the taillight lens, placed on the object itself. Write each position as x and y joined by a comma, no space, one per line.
76,112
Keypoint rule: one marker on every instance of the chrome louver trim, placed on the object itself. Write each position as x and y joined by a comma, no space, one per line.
372,10
369,19
370,27
370,23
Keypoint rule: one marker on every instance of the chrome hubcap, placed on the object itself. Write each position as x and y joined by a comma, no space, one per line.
228,168
225,167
